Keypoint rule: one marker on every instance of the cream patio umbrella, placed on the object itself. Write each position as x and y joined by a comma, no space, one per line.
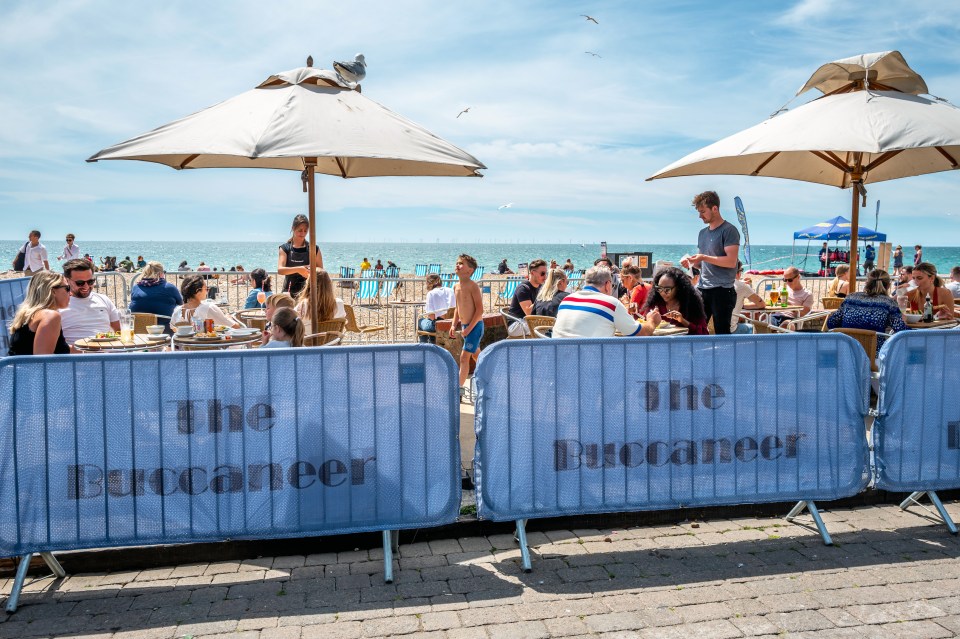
870,125
308,120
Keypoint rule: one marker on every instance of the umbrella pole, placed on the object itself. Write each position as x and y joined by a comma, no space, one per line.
311,164
855,224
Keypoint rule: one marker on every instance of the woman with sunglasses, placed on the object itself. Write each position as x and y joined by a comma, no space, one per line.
35,329
678,302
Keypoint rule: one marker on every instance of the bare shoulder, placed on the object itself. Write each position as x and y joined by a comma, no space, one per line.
470,285
47,317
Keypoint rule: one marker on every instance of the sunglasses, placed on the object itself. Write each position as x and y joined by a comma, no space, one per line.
790,279
79,283
664,288
59,286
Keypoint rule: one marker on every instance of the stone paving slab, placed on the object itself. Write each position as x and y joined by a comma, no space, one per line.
890,574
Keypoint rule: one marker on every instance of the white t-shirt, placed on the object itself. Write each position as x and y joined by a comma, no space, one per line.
303,309
743,291
35,258
87,316
206,310
954,287
590,313
71,252
439,300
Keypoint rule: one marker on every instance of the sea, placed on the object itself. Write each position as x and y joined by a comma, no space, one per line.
407,255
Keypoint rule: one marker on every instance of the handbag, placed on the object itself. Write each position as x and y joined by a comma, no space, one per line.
20,260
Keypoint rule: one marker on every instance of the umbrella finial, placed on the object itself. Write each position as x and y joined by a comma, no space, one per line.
309,60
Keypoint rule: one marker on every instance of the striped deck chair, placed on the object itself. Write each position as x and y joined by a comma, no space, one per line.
392,271
509,289
346,272
448,279
368,288
390,281
478,274
435,268
420,270
575,280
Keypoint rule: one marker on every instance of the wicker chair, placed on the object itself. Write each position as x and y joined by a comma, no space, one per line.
543,331
759,326
331,326
867,339
142,320
353,327
325,338
509,319
536,321
831,303
816,321
253,317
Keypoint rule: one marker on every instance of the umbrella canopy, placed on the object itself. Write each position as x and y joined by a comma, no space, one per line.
870,126
838,229
305,119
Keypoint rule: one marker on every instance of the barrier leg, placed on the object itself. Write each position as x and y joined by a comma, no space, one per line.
915,498
388,556
522,540
14,597
395,540
54,565
812,507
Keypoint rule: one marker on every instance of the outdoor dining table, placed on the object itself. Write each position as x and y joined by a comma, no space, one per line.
116,345
754,312
940,323
214,343
398,305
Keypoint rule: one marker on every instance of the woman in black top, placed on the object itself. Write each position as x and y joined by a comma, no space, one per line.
552,292
294,260
35,329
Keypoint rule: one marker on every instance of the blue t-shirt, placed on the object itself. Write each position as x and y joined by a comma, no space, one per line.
159,299
713,242
252,298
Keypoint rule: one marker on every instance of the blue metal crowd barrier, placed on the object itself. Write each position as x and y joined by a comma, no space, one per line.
114,450
578,426
917,430
12,293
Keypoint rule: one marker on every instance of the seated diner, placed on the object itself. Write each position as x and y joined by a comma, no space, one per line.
677,301
196,305
594,312
872,309
930,284
35,329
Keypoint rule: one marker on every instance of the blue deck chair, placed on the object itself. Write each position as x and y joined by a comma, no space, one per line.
448,279
346,272
369,287
420,270
575,280
390,281
478,274
435,268
510,288
392,271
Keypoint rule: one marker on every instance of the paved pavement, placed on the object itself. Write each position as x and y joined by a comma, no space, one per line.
891,574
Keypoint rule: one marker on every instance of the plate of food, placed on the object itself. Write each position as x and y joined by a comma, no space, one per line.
105,337
220,328
207,336
664,325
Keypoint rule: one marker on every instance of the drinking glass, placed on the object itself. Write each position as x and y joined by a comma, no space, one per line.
126,329
774,297
261,298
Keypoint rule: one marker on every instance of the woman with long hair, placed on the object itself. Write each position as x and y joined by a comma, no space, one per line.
840,285
261,284
196,305
286,329
872,310
35,329
929,283
329,306
678,302
637,291
154,294
293,261
552,292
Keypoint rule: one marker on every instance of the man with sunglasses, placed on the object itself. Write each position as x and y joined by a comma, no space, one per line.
716,257
521,304
89,313
798,296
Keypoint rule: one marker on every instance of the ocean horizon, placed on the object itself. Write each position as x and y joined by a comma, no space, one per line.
408,254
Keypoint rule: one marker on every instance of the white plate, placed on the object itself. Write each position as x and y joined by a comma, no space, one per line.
155,337
243,332
103,339
190,334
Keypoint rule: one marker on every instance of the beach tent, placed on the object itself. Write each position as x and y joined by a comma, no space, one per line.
838,229
871,124
307,120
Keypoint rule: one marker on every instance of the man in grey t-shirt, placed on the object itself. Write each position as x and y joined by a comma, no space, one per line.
717,246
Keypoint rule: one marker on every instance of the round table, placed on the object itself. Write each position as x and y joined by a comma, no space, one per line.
139,343
223,341
397,305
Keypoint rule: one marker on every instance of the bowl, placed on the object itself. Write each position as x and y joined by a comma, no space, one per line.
912,317
155,329
186,329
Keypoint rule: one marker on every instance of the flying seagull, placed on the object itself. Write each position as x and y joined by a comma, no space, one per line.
589,18
505,206
352,71
467,110
596,55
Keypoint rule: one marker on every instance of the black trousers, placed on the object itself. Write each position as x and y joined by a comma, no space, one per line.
718,303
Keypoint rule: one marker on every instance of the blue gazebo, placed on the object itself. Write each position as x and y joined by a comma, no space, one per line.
837,230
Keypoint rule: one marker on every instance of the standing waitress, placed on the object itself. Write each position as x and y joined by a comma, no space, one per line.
294,258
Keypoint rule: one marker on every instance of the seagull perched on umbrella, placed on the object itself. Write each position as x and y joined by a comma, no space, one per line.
467,110
352,71
504,206
589,18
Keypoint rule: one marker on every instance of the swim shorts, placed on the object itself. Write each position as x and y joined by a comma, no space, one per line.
471,343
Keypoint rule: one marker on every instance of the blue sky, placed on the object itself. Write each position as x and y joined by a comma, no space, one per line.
568,137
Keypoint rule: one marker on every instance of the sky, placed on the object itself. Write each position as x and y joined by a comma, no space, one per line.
568,137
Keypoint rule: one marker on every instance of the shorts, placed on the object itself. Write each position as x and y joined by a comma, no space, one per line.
471,342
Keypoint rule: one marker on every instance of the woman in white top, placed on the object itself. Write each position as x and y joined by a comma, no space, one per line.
196,305
329,305
439,299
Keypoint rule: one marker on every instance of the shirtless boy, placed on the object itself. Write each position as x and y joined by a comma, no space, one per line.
469,312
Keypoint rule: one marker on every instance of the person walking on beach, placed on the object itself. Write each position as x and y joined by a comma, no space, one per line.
918,255
34,256
717,246
869,255
897,260
71,251
293,261
469,312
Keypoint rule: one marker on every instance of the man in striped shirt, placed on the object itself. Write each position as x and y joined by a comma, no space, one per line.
594,312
